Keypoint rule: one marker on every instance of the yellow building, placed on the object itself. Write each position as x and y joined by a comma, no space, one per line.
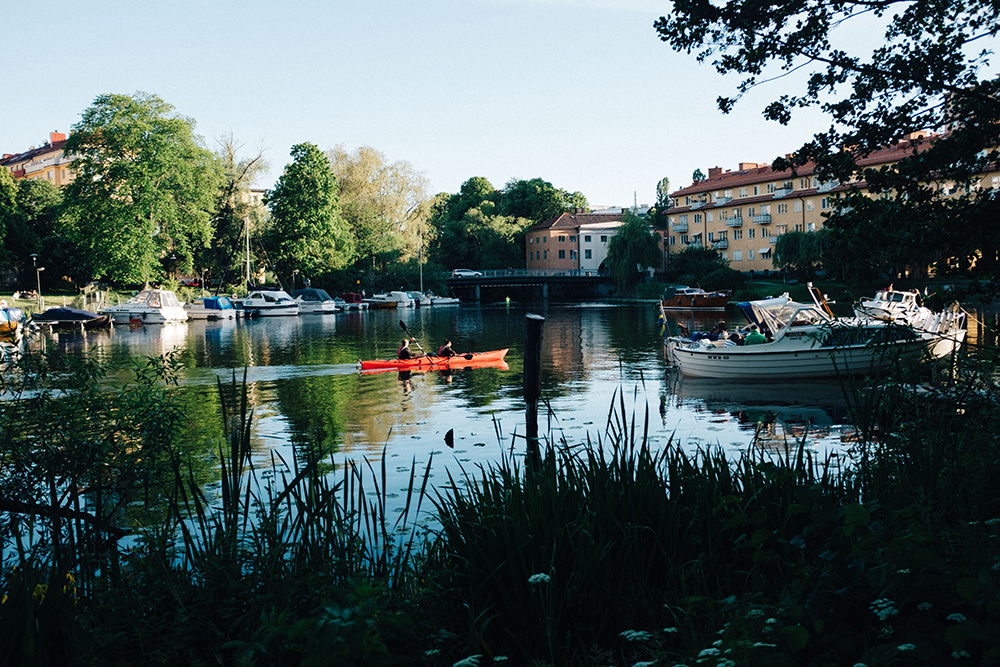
742,213
45,163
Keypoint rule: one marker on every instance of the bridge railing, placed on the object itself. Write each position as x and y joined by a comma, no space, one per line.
540,273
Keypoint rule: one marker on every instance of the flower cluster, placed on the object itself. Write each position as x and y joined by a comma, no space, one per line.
883,608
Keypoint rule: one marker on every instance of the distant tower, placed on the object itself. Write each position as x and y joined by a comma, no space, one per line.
635,201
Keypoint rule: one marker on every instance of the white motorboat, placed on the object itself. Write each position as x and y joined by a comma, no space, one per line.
946,329
350,301
150,306
419,299
268,303
442,300
889,304
803,341
314,301
395,299
211,308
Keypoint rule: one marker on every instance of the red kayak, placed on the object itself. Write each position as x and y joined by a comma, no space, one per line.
432,362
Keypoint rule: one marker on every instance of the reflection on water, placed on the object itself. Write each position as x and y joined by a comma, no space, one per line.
305,388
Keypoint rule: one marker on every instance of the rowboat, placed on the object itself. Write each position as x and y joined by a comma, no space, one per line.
434,362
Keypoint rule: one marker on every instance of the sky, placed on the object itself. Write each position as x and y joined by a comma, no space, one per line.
581,93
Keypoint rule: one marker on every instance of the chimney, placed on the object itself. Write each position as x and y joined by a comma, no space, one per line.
579,210
747,165
714,172
7,155
56,136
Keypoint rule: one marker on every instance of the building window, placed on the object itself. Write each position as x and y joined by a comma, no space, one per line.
684,239
737,255
697,218
532,253
756,191
811,227
750,255
604,238
587,254
750,233
682,219
995,182
797,206
798,228
787,185
710,216
737,213
750,211
673,240
572,239
562,239
743,192
729,194
724,255
809,205
737,234
803,183
765,209
572,254
824,203
711,236
545,239
770,188
586,238
782,209
545,254
781,229
562,254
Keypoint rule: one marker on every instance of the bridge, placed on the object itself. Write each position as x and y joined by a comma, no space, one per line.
531,285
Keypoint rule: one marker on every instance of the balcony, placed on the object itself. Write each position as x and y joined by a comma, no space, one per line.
679,227
697,204
734,222
773,240
764,219
719,201
781,192
721,244
827,186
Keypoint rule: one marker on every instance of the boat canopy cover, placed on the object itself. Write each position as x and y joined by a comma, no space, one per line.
218,303
156,298
11,315
312,294
66,314
351,297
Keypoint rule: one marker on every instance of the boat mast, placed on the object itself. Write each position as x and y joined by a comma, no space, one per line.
248,253
420,254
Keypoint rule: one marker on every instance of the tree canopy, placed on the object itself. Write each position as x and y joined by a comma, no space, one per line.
632,250
694,262
663,193
384,203
923,75
307,231
144,189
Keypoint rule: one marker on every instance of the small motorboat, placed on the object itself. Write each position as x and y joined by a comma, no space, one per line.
71,318
268,303
11,324
314,301
350,301
150,306
395,299
695,297
442,300
434,362
419,299
211,308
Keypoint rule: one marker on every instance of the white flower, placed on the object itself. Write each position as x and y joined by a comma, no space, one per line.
709,652
771,621
860,664
883,608
906,647
671,630
636,635
725,663
924,606
500,658
540,578
431,652
992,522
755,612
764,645
957,618
717,643
906,571
471,661
959,654
645,664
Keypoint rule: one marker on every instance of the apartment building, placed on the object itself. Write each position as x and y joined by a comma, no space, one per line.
742,213
44,163
575,241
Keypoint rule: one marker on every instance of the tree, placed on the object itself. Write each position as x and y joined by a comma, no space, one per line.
537,200
924,75
8,211
234,208
697,176
631,250
663,193
695,261
307,230
145,187
385,205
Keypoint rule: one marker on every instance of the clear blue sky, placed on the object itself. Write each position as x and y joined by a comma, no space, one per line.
578,92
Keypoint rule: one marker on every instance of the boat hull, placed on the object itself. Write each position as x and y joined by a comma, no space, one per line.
162,316
434,362
697,301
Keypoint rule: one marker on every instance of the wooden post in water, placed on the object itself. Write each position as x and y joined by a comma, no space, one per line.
532,388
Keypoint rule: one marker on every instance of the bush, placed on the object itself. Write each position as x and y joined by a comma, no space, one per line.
722,279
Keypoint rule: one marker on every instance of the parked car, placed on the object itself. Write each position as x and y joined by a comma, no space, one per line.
466,273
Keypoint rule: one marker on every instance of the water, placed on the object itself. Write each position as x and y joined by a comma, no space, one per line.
305,387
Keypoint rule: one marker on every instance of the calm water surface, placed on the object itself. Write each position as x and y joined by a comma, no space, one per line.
305,387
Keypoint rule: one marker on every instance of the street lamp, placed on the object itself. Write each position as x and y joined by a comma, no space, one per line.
294,273
38,275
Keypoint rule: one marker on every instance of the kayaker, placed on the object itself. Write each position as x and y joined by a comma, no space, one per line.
755,337
404,351
445,350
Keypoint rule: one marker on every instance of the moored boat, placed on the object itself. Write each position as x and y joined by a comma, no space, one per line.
889,304
389,300
11,324
149,306
466,360
442,300
419,299
268,303
695,297
314,301
211,308
350,301
71,318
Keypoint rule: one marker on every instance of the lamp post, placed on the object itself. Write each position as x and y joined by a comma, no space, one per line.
38,275
294,273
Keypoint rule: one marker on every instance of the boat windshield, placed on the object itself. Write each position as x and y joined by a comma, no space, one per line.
792,313
141,297
169,300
